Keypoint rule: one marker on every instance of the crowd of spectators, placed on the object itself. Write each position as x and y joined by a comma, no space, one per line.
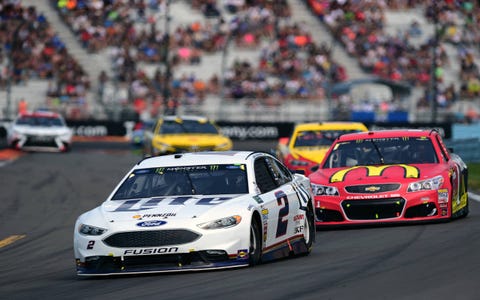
359,26
31,49
290,64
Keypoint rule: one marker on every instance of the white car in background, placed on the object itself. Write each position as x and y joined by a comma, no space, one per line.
197,211
39,131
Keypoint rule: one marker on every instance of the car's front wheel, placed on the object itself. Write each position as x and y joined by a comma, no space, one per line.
309,230
462,213
255,249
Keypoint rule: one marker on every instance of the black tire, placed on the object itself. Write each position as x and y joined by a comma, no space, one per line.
255,249
309,230
68,148
464,212
461,213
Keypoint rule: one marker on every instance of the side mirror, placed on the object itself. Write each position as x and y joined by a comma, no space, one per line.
315,168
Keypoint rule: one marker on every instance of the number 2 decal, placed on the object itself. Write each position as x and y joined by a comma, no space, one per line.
90,245
282,224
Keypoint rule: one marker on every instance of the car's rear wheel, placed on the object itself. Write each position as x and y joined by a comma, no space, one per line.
255,249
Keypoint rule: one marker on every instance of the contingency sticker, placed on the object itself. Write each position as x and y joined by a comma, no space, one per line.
442,195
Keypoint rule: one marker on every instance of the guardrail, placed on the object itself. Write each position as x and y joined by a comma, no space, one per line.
467,149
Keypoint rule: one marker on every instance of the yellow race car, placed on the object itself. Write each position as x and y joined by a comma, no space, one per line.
177,134
309,142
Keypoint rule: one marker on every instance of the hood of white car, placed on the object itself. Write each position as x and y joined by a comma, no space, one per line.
162,208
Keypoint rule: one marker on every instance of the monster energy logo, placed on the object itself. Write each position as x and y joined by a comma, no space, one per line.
214,168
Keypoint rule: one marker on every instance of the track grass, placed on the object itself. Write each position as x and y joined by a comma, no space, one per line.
474,177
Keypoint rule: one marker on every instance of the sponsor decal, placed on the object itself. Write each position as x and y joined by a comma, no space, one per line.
454,174
264,213
149,251
138,204
265,230
250,132
298,218
243,253
265,223
409,171
299,229
372,188
161,215
258,199
153,223
356,197
443,196
87,130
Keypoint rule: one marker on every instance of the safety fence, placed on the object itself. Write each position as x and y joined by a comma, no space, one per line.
467,149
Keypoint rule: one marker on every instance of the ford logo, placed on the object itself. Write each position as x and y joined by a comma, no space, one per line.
151,223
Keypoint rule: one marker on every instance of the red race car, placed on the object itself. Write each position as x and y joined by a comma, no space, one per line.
389,176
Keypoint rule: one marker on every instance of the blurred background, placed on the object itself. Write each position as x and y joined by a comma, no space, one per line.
379,62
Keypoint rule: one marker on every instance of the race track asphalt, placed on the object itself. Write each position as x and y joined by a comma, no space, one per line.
43,193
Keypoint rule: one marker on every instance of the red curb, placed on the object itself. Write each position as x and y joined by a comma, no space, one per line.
9,154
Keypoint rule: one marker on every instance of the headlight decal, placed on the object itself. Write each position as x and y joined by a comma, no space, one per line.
324,190
222,223
91,230
426,185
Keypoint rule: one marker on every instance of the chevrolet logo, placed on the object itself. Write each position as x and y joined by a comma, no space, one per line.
372,188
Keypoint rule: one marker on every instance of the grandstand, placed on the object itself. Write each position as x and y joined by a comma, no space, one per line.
257,61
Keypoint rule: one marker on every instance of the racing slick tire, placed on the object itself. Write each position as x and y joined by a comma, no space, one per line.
255,249
310,230
461,213
465,210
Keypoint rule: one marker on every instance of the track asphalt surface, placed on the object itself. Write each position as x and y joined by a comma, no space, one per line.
43,193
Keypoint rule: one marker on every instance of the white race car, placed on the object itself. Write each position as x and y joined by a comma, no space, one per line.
197,211
41,131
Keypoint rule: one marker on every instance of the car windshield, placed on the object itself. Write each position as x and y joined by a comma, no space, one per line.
184,180
187,126
315,138
39,121
398,150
